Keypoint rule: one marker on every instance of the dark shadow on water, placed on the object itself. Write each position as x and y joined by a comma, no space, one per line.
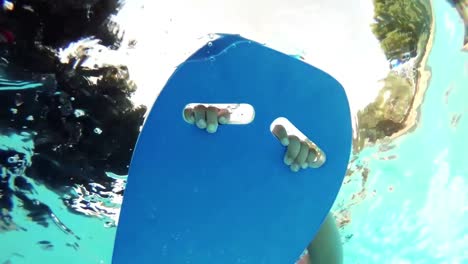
80,128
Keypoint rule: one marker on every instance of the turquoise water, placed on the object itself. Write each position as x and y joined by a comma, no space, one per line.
90,241
412,208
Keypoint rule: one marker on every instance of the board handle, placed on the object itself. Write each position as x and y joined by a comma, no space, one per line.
232,114
208,116
282,128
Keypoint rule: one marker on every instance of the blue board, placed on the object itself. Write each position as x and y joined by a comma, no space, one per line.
195,197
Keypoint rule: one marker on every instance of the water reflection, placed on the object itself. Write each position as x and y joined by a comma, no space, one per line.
65,127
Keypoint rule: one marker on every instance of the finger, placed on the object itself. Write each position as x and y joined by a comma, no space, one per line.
294,167
223,116
212,119
188,115
302,156
312,157
280,132
293,150
200,116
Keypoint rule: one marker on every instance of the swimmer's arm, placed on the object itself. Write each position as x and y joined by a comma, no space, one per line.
326,248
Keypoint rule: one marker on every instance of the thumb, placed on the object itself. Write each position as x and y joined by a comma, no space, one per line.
280,133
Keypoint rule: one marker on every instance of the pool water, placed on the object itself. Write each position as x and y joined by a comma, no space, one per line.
404,202
414,208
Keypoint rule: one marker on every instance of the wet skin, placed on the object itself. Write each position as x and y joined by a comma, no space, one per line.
299,153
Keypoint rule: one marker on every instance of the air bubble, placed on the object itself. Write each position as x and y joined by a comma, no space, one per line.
25,134
98,131
210,44
79,112
8,6
13,159
18,99
212,58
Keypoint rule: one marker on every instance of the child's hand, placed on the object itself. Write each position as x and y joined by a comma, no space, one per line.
206,117
299,154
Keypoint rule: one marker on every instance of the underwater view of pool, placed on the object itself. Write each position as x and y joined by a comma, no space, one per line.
403,200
